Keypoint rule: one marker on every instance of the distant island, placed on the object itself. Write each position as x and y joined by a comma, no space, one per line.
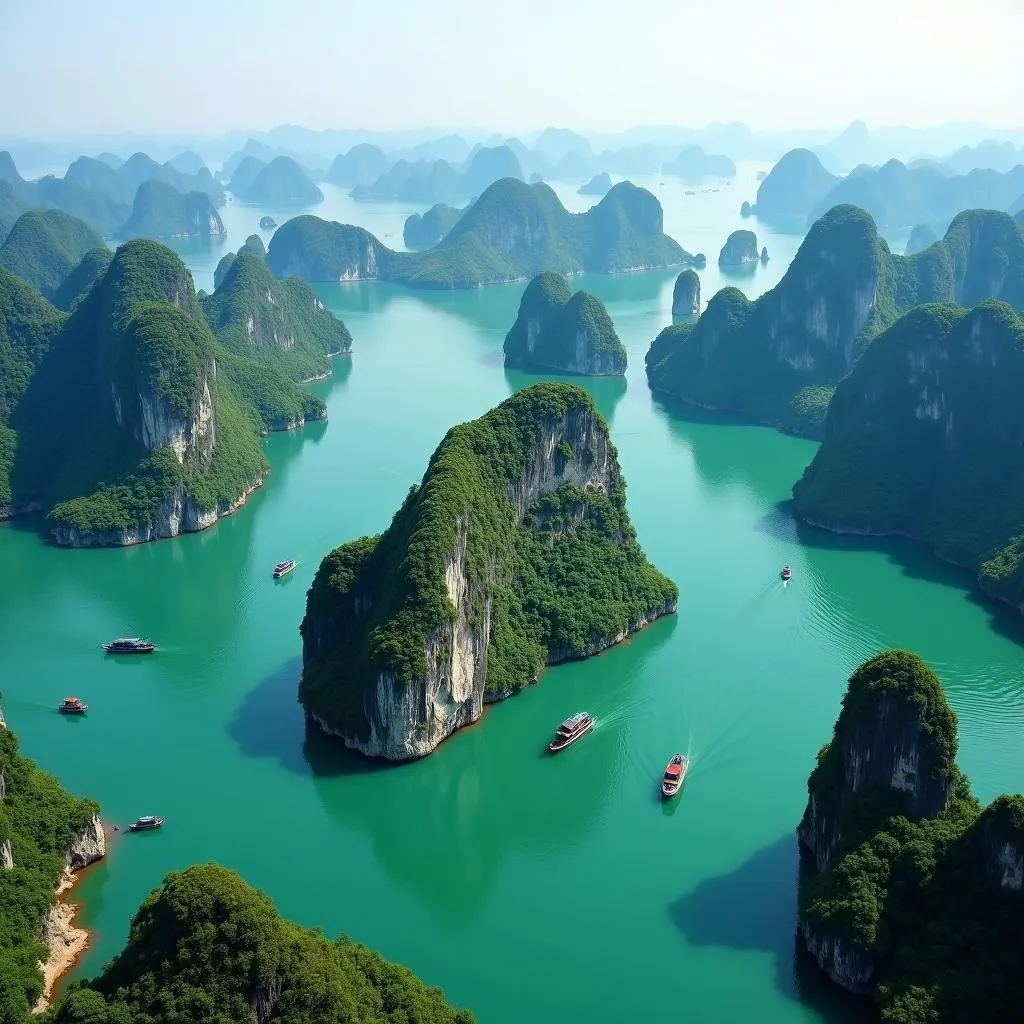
800,189
692,163
361,165
159,422
530,491
924,440
740,248
430,229
43,246
267,223
921,237
559,332
511,233
794,186
95,191
282,182
686,295
599,185
778,359
161,212
911,890
437,181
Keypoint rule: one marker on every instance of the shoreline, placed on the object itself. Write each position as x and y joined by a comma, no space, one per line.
66,941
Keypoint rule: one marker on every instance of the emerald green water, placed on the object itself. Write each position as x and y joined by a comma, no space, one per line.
529,887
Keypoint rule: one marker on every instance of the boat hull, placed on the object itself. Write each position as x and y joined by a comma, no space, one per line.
123,650
556,748
73,711
136,827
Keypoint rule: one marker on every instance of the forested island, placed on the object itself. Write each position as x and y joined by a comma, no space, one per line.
430,229
438,181
559,332
777,359
800,189
911,890
740,249
691,163
686,295
282,182
924,440
161,212
136,198
514,552
511,233
159,422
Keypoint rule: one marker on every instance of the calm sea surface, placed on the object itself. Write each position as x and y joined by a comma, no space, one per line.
529,887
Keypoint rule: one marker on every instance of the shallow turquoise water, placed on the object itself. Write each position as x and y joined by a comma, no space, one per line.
508,877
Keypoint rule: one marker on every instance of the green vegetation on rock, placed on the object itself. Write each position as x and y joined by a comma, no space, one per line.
430,229
512,232
206,946
160,211
44,246
150,440
39,823
924,439
740,248
915,892
559,332
283,326
76,285
776,359
526,506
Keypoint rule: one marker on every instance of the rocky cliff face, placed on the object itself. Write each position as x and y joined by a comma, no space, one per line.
408,717
686,295
179,513
89,845
1002,836
6,855
888,739
893,752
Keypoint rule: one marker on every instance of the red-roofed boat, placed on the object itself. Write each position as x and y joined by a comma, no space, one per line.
72,706
675,773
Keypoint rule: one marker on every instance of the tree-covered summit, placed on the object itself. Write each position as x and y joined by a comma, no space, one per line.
43,247
512,232
206,946
924,439
914,896
559,332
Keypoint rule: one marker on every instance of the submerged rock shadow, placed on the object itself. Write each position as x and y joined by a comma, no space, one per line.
754,907
269,722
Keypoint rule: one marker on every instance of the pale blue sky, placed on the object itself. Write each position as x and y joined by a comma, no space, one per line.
511,66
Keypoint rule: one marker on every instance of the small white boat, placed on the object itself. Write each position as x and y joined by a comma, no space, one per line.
283,568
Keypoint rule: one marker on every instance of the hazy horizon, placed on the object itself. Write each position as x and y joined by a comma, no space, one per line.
774,65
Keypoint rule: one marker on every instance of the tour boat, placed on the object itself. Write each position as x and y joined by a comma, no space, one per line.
570,731
72,706
129,645
283,568
786,573
147,821
675,773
